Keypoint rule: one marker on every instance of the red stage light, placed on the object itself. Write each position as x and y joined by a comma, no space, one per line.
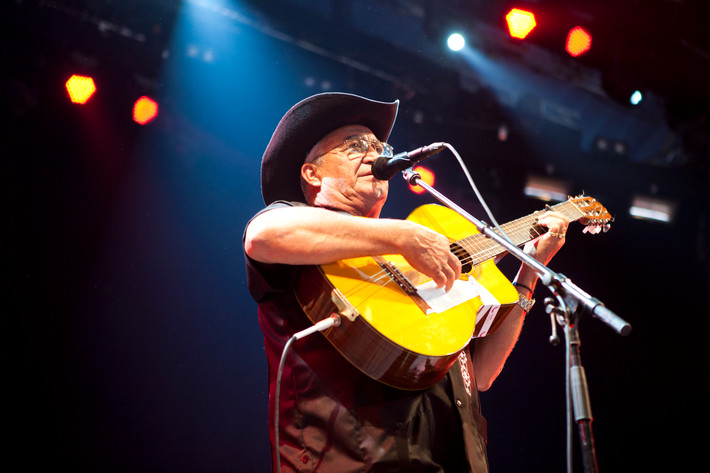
520,22
144,110
427,176
80,88
579,41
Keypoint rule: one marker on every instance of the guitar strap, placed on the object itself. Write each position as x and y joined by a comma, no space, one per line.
465,374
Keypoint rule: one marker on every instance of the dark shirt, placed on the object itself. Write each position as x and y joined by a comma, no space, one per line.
334,418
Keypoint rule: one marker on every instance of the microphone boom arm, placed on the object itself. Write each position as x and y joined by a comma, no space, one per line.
547,276
571,299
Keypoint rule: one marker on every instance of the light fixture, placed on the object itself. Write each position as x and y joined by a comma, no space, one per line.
579,41
546,189
652,208
145,110
80,88
520,22
456,42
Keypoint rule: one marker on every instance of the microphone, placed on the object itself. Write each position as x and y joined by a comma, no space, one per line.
385,168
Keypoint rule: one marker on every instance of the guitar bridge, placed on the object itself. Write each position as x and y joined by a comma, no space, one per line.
396,275
403,282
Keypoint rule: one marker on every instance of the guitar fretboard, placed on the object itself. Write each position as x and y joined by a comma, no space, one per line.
480,248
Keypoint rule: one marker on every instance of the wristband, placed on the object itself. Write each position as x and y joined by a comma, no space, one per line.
517,284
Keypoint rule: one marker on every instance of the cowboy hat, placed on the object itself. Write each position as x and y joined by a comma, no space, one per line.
304,125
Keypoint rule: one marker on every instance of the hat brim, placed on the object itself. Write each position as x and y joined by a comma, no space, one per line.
304,125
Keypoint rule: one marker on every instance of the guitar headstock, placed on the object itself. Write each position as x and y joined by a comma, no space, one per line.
594,216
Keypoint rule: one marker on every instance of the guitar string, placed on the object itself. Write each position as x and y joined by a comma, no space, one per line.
467,252
470,251
376,280
520,229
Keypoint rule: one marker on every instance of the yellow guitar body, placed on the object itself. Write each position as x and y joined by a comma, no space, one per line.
383,304
395,325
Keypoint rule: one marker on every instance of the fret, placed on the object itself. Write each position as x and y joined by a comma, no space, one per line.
480,248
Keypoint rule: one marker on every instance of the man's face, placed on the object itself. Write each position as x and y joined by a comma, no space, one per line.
341,168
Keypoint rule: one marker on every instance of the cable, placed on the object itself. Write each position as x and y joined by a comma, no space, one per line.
278,395
568,397
478,194
568,349
332,321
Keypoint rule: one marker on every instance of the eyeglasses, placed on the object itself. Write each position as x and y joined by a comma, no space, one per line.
356,148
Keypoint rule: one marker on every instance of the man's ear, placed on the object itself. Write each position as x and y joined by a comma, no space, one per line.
309,173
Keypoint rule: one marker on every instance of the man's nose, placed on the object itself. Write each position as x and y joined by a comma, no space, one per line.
370,156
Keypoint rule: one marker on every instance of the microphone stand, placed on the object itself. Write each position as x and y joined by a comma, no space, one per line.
572,302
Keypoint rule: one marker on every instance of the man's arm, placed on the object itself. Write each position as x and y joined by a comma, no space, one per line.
311,235
493,350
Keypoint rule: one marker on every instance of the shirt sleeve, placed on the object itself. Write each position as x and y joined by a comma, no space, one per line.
264,278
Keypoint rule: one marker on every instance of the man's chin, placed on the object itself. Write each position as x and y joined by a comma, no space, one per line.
380,189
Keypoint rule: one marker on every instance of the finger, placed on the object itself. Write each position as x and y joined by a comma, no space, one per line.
554,221
450,275
452,270
456,265
530,248
555,228
440,279
558,235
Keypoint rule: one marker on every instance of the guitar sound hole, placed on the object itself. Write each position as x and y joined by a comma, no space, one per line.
463,256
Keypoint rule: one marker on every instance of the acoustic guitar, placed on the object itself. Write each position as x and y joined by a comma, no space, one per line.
395,325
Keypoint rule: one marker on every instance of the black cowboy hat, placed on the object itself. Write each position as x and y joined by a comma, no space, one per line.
304,125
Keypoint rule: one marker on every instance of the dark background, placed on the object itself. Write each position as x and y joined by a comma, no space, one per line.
130,342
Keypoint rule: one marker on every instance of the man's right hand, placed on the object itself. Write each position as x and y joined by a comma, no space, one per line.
429,253
309,235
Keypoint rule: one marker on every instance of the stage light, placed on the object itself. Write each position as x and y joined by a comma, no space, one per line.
520,22
145,109
80,88
651,208
579,41
426,175
620,147
602,144
456,42
546,189
636,97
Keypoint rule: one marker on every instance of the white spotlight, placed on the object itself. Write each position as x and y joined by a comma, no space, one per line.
651,208
456,42
546,189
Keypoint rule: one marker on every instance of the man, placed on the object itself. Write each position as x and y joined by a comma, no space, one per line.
333,418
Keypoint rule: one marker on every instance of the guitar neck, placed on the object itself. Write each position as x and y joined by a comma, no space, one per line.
480,248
